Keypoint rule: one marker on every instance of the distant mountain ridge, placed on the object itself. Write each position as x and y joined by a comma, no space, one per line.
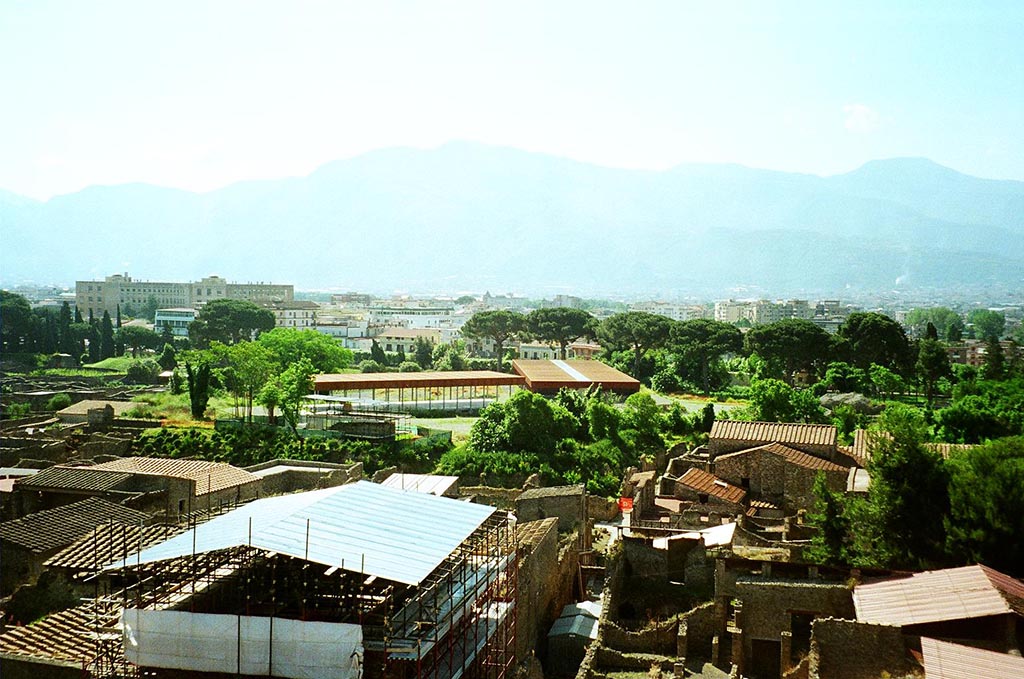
473,217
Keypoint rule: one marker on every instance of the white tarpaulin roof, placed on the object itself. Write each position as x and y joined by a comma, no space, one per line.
361,527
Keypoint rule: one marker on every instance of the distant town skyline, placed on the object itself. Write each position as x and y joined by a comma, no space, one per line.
207,95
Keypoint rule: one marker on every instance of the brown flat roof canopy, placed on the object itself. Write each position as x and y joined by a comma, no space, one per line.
548,376
323,384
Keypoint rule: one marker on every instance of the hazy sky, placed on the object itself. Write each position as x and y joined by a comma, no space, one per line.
201,94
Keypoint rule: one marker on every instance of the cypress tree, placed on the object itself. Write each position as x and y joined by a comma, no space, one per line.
106,337
118,344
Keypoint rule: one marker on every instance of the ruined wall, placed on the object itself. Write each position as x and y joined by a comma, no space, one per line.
602,509
697,629
847,649
568,507
317,476
539,584
718,447
767,604
659,638
773,478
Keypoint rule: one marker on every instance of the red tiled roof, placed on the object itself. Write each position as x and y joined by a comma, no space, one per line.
781,432
932,596
861,448
792,456
943,660
703,482
209,476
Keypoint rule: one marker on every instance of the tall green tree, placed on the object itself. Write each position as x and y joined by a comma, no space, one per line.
908,495
198,387
775,401
943,318
168,358
705,342
870,337
499,326
136,338
290,344
987,323
986,517
66,339
830,545
638,331
377,353
107,347
229,321
995,360
295,383
932,365
118,344
793,343
424,353
253,365
560,325
16,322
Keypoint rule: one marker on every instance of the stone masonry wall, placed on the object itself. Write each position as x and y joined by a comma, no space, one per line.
847,649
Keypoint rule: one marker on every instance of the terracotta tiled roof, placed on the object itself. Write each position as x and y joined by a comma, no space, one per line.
862,452
943,660
69,637
703,482
792,456
781,432
109,542
209,476
61,526
61,477
932,596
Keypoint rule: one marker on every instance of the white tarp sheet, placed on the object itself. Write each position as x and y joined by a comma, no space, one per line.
203,642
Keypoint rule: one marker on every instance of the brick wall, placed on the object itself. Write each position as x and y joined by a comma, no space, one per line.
773,478
538,585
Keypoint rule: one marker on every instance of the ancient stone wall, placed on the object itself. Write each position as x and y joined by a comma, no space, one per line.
847,649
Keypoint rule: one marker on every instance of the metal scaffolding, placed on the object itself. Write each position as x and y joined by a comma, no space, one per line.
458,622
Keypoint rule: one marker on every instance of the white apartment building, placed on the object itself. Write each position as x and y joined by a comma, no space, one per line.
412,316
177,320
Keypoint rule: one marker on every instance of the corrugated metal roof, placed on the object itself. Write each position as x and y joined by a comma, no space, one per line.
933,596
782,432
361,527
576,625
75,478
421,483
703,482
210,477
943,660
61,526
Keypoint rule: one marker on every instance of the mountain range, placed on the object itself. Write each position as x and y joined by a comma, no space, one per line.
467,216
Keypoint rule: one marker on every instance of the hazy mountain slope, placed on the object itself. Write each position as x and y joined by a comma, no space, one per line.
468,216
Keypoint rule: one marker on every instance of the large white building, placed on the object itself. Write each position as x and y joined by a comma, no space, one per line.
121,290
412,315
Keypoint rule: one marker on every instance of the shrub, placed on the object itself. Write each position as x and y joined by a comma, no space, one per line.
58,402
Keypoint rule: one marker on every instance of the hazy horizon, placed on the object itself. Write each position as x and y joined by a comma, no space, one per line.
209,95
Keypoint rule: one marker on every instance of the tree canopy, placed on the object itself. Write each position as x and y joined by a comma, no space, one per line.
987,324
498,325
791,344
870,337
560,325
639,331
703,342
229,321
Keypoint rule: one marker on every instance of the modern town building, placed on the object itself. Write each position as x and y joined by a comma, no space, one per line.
122,290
